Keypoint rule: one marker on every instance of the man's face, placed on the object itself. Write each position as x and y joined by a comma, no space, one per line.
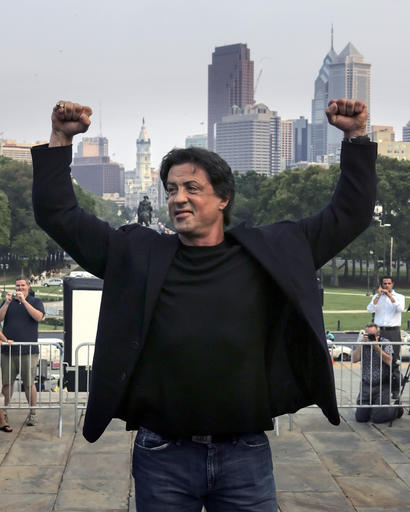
194,208
22,286
387,284
371,330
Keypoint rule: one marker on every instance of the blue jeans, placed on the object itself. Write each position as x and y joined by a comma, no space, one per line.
183,475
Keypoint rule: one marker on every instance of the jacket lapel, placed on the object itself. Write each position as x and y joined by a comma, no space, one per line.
162,252
275,259
272,261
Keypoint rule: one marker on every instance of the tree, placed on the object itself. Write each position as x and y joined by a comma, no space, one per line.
19,233
247,197
5,220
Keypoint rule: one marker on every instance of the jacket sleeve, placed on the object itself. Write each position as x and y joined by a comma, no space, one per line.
351,208
56,211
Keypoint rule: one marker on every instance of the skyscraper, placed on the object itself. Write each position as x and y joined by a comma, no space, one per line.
319,105
287,151
349,77
302,139
92,146
344,75
406,132
250,139
230,82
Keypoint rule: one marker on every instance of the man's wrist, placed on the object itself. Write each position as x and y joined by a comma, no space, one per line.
357,139
59,139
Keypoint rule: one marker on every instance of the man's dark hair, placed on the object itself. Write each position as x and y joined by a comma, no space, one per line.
386,277
22,278
219,173
372,324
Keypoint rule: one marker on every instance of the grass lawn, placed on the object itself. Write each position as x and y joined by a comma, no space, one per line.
348,306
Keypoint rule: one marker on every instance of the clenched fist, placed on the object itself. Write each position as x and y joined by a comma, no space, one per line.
68,119
350,116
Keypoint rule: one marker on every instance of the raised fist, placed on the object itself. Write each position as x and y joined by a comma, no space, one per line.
67,120
349,116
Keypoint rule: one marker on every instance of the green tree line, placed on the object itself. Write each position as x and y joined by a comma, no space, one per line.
298,193
260,199
23,245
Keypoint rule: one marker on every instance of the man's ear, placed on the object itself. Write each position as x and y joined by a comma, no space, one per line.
223,204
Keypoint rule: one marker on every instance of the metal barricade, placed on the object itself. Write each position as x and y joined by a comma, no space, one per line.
48,374
348,377
87,368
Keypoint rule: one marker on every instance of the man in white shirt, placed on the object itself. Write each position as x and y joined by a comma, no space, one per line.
387,306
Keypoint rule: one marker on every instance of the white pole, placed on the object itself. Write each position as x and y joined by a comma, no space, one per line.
391,255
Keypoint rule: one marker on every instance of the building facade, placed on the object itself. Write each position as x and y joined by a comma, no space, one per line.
302,140
319,105
230,82
250,139
93,169
143,168
394,149
406,132
92,146
99,175
287,149
381,132
198,141
141,181
20,151
344,75
349,77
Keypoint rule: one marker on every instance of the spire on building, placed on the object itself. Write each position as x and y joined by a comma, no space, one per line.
143,137
331,39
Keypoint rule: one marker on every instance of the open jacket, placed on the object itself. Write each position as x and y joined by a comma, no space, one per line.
133,261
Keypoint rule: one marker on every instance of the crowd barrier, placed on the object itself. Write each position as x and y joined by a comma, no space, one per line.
348,375
86,358
48,376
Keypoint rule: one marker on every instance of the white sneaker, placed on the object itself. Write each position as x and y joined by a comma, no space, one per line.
31,420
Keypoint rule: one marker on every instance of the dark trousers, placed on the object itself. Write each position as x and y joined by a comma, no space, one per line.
393,334
370,395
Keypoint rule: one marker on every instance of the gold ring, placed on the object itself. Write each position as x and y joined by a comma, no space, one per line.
59,105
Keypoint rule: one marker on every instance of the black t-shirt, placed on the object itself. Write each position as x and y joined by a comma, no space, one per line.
19,326
202,370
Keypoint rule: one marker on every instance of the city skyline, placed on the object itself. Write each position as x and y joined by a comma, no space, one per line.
130,63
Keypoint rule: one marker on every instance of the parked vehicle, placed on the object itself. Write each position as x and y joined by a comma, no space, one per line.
339,352
80,273
54,281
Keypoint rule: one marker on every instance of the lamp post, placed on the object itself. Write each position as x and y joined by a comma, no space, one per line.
368,276
378,212
4,267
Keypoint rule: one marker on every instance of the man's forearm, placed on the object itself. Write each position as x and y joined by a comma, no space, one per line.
357,354
33,312
3,311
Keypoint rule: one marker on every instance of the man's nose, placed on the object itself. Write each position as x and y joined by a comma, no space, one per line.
180,196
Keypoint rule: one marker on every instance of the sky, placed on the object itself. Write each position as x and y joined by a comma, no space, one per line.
134,59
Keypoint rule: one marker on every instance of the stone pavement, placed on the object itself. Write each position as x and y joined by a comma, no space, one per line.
318,467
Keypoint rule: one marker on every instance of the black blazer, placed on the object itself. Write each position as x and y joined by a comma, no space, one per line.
133,262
